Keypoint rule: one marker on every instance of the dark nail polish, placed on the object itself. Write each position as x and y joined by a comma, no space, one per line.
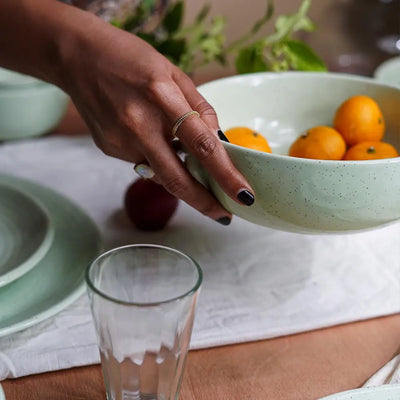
245,197
224,220
222,136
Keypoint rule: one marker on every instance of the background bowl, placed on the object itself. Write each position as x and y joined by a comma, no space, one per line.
304,195
389,71
28,107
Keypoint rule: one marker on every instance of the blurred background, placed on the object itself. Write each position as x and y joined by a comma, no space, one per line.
353,36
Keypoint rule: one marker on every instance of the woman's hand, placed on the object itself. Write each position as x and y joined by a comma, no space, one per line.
131,96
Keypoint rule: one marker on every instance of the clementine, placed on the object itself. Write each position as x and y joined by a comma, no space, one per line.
320,143
371,151
246,137
359,119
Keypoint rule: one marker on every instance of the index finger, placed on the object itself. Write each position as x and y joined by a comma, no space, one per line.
202,141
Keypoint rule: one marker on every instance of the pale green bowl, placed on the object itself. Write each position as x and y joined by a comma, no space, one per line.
28,107
303,195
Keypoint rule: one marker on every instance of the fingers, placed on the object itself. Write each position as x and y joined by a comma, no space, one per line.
201,140
171,173
159,156
197,101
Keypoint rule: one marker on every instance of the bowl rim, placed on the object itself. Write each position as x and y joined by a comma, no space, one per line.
330,75
279,74
16,79
24,90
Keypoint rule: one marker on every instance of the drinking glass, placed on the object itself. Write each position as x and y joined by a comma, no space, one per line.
143,300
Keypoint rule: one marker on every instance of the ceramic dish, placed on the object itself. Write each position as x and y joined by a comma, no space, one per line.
385,392
2,395
28,107
12,78
25,233
297,194
58,279
389,71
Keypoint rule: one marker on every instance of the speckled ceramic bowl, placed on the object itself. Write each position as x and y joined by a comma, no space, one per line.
28,106
303,195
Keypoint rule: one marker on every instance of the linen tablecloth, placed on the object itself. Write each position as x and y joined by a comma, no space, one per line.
258,283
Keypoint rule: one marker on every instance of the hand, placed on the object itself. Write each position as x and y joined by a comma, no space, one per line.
131,96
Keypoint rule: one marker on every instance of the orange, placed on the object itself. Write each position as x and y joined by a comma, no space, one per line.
359,119
246,137
320,143
370,151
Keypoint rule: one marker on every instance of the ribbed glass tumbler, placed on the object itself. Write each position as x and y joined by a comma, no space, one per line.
143,300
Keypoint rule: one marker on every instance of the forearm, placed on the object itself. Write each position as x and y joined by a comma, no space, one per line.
35,36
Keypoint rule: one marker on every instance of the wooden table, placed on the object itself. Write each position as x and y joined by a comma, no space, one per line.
298,367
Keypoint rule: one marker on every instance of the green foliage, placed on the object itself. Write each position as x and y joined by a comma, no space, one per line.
203,41
173,18
250,59
301,57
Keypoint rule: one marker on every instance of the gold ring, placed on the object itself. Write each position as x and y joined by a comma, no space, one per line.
181,119
144,171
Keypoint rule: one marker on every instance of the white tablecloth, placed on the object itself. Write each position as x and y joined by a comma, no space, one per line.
258,283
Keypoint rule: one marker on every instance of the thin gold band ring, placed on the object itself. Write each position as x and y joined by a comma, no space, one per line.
181,120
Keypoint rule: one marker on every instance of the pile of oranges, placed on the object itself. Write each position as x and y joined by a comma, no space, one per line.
356,134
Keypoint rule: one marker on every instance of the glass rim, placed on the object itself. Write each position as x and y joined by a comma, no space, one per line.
192,290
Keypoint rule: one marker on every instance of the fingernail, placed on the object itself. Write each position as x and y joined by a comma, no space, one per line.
224,220
222,136
245,197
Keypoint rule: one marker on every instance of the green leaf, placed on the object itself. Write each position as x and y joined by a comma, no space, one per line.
202,15
218,26
288,24
173,48
149,38
116,23
132,22
301,57
221,58
250,59
173,18
211,48
305,24
148,5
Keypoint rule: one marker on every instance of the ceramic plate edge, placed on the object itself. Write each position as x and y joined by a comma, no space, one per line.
354,394
68,300
2,395
72,296
39,253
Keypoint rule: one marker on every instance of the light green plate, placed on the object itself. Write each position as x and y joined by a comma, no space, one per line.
2,395
25,233
58,279
384,392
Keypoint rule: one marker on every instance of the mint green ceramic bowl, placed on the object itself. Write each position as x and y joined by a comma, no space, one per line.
28,107
303,195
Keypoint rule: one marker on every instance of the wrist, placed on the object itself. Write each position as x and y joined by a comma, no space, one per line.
31,35
70,38
80,38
